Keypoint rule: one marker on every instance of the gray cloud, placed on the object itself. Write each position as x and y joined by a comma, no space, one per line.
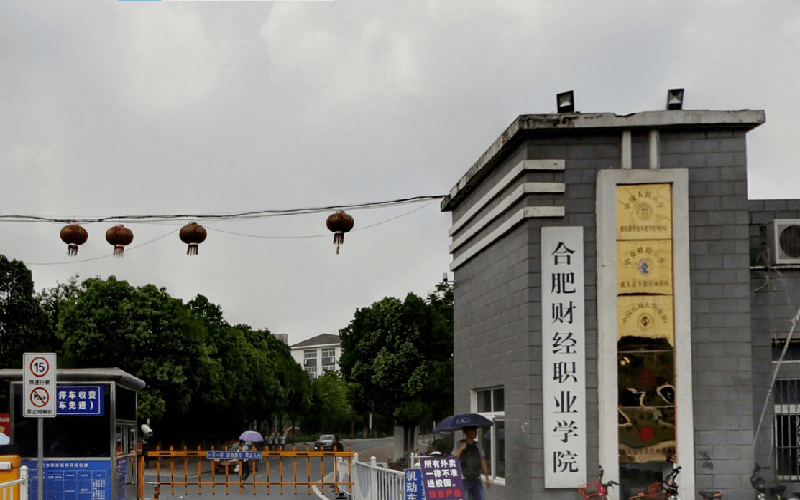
194,107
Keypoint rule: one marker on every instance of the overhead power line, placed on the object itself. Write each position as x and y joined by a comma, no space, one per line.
222,216
418,199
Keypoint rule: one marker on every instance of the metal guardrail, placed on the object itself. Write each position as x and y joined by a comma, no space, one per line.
194,460
16,489
371,481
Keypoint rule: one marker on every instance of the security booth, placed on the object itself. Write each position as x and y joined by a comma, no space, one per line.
90,447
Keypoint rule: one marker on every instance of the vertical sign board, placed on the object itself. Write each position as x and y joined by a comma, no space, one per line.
39,385
413,489
563,357
441,478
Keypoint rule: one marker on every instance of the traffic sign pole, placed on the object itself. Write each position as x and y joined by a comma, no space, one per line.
40,458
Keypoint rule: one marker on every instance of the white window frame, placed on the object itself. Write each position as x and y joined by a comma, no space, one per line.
494,416
309,353
331,366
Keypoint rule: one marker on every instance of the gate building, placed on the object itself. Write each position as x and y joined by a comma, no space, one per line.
619,302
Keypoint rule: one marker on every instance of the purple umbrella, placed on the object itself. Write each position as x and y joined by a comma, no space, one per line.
251,436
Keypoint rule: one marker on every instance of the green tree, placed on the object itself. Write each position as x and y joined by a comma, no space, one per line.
397,356
334,408
143,331
24,326
244,378
297,385
263,395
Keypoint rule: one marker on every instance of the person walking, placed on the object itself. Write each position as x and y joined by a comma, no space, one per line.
246,462
471,456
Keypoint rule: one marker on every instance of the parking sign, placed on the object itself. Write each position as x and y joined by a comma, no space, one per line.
39,385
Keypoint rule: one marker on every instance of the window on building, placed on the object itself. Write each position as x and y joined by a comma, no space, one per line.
310,362
328,359
491,404
787,425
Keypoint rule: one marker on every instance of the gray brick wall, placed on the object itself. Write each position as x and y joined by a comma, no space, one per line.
775,298
498,310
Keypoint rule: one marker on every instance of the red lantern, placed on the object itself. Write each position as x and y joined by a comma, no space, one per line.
193,234
73,235
119,236
339,223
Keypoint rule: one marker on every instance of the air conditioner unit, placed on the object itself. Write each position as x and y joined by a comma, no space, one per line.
783,241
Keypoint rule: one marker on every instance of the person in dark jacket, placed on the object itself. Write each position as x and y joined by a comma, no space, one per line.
470,455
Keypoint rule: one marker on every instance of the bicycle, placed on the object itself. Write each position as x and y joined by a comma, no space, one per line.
666,489
596,490
759,484
670,486
710,494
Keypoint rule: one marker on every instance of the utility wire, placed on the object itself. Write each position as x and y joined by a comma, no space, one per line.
252,214
98,258
318,235
432,199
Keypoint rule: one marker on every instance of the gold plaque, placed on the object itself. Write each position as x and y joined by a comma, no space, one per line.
644,266
646,378
644,322
646,435
644,211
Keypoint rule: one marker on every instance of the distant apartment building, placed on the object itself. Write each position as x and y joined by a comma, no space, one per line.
319,354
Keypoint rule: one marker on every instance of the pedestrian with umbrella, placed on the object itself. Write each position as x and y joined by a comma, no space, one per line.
469,452
249,437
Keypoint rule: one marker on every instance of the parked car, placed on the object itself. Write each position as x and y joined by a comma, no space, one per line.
328,442
233,463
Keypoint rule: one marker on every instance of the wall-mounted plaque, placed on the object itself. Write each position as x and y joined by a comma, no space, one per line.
644,266
644,212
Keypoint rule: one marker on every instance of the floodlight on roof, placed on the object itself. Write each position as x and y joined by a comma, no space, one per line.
565,102
675,99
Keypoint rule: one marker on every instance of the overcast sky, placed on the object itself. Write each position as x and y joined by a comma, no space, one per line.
118,108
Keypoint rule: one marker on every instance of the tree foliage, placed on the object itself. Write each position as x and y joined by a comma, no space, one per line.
23,322
331,404
208,380
397,356
143,331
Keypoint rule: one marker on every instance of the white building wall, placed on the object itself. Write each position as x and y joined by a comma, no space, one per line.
298,354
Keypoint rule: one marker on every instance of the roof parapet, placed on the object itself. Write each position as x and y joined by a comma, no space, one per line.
564,122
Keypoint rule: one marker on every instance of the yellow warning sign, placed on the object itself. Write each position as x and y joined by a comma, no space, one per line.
644,266
644,211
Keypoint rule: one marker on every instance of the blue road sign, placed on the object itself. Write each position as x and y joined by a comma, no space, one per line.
85,400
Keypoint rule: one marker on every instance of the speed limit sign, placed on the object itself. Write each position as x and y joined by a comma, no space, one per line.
39,384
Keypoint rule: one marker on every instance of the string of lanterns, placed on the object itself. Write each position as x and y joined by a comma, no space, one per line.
192,234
